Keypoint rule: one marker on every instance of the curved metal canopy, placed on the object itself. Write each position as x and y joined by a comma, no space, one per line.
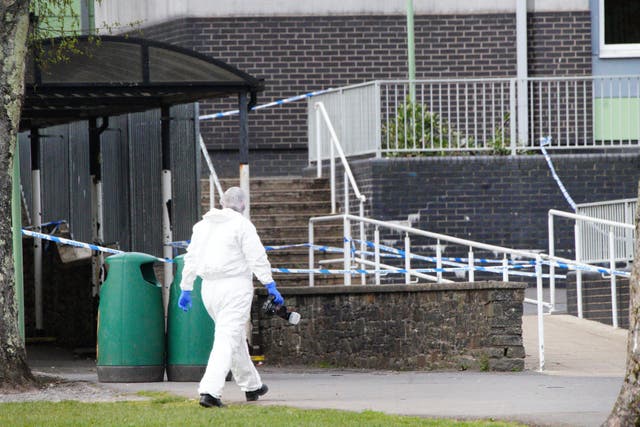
115,75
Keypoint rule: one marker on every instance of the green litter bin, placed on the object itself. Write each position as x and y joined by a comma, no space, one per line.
131,336
189,334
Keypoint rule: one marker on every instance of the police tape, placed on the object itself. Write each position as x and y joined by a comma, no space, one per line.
260,107
400,271
403,254
512,264
494,269
580,267
185,243
78,244
546,140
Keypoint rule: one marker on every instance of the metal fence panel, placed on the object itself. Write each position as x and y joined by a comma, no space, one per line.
456,116
115,183
145,173
595,238
54,176
185,170
354,113
446,116
79,181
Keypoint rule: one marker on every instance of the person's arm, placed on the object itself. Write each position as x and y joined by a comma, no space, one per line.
191,261
255,254
192,258
256,257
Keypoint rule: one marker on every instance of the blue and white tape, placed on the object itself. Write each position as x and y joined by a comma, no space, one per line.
546,141
600,270
260,107
77,244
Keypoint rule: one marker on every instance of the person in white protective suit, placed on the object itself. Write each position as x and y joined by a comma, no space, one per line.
224,251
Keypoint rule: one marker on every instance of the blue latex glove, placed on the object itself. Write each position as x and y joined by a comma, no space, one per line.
184,302
277,298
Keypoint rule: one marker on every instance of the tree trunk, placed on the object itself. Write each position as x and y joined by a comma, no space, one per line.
626,411
14,26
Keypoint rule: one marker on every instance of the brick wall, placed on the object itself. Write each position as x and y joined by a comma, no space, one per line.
474,326
498,200
559,44
596,298
296,55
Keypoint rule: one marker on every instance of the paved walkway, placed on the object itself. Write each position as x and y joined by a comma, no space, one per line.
585,366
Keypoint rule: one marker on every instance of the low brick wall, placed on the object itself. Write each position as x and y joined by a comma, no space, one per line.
596,298
458,326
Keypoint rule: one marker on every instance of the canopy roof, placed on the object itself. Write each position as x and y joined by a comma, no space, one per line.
116,75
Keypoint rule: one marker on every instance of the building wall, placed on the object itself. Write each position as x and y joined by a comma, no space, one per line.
300,54
596,298
152,12
498,200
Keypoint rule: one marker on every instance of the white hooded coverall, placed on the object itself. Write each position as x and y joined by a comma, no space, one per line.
224,250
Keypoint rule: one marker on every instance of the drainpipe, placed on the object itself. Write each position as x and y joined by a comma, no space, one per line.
243,157
521,48
244,150
37,222
411,52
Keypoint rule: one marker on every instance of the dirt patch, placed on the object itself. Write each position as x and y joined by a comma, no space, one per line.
56,389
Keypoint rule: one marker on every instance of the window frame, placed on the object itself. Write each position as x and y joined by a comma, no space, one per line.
619,50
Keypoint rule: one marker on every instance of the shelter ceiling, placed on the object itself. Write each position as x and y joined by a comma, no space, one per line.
117,75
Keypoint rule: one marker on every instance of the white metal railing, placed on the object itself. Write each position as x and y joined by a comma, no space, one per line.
214,182
479,115
594,243
581,221
506,267
349,181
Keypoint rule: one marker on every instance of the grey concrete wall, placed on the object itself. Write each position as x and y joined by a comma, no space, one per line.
474,326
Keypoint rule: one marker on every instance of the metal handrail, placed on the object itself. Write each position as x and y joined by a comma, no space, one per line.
377,223
335,143
213,177
348,179
540,260
612,259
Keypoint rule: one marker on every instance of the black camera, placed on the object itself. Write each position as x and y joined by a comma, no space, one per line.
270,308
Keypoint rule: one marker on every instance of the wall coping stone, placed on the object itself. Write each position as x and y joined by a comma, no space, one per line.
365,289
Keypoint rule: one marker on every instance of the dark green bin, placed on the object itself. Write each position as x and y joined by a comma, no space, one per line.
189,334
131,338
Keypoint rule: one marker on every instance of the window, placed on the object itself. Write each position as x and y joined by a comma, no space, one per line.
619,29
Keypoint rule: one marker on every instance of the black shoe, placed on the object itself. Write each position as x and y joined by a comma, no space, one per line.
255,394
209,401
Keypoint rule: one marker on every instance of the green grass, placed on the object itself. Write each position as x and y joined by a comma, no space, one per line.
168,410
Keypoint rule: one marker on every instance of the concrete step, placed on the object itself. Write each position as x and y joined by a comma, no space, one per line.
285,195
309,208
289,259
289,219
274,184
273,236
